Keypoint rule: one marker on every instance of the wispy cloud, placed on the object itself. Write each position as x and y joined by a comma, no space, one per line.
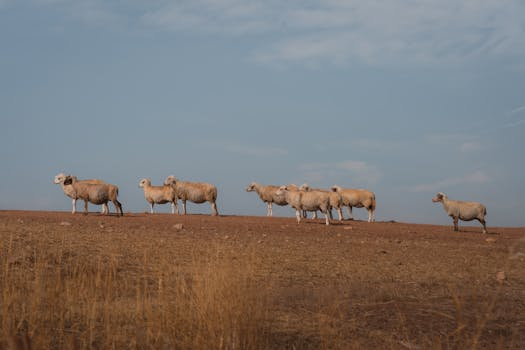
517,110
352,172
256,151
213,16
462,142
421,31
477,177
516,117
470,146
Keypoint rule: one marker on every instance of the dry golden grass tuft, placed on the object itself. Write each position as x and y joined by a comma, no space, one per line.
254,283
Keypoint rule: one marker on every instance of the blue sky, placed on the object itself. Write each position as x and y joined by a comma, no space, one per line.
404,98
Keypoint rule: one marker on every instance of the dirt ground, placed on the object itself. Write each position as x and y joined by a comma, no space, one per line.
352,284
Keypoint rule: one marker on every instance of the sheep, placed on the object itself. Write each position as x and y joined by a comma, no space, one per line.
306,201
465,211
268,195
159,194
70,192
357,198
95,193
196,192
336,201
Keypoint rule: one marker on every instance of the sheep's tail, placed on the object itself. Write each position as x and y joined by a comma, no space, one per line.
118,205
373,205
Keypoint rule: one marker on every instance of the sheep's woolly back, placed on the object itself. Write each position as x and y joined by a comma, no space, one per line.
68,188
356,197
305,200
267,193
196,192
461,210
94,193
336,201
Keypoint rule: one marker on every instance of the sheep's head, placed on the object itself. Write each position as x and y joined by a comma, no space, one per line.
144,182
282,190
59,178
292,187
170,180
439,197
335,188
251,187
304,187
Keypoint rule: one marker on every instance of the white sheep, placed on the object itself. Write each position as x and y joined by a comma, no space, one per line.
336,201
95,193
196,192
306,201
460,210
159,195
70,192
358,199
267,193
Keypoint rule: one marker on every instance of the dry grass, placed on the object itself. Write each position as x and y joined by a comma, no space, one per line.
94,283
63,296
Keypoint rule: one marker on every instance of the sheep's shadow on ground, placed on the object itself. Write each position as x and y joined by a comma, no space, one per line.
345,222
474,231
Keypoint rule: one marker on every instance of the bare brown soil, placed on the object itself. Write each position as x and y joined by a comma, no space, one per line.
350,285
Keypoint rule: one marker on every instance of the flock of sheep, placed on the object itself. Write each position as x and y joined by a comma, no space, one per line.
303,199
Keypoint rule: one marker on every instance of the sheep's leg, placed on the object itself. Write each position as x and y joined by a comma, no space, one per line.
214,209
177,206
118,207
482,221
370,215
456,227
151,207
183,207
74,204
85,207
173,207
351,217
269,207
340,213
298,215
314,215
326,217
330,214
105,208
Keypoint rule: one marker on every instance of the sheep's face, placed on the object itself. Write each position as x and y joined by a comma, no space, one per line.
170,180
251,187
59,178
282,190
143,182
335,188
438,198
